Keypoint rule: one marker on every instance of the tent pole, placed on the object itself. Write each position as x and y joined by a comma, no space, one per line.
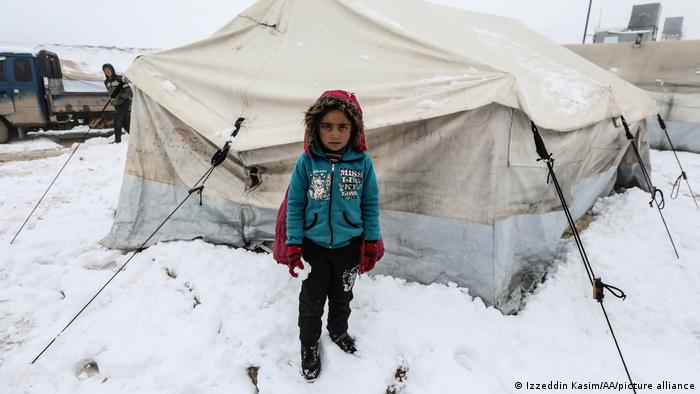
588,17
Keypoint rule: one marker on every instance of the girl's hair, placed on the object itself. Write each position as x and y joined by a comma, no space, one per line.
324,105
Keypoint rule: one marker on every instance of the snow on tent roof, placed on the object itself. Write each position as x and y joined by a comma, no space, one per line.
407,61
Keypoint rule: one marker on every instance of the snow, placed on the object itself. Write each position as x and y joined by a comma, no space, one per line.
191,317
17,49
27,146
86,59
426,105
77,131
569,91
169,86
83,86
370,13
82,64
469,74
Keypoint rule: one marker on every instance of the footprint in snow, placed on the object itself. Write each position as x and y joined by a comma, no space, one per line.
463,357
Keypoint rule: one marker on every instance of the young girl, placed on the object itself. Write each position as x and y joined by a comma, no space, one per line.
332,221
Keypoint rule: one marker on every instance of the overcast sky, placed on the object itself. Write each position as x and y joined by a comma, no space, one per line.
171,23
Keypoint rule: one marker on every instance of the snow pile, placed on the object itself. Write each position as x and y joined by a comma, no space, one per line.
83,86
27,146
188,316
75,132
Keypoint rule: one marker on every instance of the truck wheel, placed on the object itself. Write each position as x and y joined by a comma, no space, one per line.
4,132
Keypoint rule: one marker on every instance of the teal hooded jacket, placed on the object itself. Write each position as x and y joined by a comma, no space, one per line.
330,203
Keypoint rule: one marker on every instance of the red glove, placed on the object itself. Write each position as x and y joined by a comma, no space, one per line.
294,255
371,249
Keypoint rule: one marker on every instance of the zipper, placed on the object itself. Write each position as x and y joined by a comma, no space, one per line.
330,204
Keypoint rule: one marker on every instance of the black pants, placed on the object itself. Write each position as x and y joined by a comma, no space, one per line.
122,120
333,273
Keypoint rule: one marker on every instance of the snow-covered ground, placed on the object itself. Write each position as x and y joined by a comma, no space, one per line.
190,317
28,146
74,133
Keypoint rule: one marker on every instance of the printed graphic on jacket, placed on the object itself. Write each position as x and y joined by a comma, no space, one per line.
349,279
350,183
319,185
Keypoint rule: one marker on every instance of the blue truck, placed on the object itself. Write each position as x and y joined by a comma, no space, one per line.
32,96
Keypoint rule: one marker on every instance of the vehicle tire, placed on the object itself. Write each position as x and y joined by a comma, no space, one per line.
4,132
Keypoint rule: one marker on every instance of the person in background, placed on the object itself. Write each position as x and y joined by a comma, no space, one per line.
121,95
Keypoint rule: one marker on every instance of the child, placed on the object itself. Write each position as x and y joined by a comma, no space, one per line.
332,221
121,96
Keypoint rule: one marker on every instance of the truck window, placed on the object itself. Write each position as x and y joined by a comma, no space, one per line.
2,70
49,66
23,70
55,67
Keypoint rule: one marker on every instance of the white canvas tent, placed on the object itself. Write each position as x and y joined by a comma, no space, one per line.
448,97
670,71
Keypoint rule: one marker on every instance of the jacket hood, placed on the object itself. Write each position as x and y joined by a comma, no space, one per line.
339,99
109,66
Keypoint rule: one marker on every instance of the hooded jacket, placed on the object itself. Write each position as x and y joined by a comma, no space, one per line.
117,87
330,203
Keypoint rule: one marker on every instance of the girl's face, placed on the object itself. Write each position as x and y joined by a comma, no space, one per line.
335,129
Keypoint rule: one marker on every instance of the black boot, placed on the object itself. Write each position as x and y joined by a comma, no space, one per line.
345,342
310,362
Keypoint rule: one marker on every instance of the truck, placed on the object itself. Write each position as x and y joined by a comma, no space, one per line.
32,96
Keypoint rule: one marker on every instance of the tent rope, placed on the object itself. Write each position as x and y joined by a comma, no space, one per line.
598,285
82,139
660,204
198,187
677,184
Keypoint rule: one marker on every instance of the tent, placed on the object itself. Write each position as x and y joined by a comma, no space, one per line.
448,97
670,71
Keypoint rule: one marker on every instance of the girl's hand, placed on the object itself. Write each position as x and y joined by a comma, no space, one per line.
294,255
371,249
